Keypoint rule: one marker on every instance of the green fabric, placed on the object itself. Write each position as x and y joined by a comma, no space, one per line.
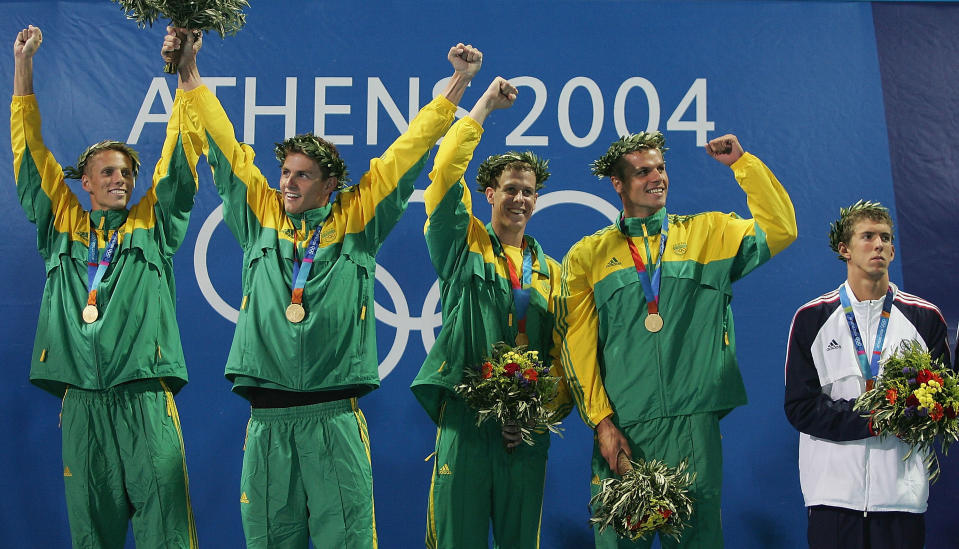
136,336
307,475
673,439
123,461
476,482
334,347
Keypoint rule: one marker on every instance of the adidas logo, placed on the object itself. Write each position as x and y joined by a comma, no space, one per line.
243,498
613,263
445,469
833,345
66,472
289,232
596,480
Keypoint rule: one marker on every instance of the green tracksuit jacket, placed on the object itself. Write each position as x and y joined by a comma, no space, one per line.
136,336
334,347
475,286
613,364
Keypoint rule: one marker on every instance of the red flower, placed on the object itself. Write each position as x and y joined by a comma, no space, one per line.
666,513
531,374
950,412
891,396
925,376
487,370
912,400
510,369
936,413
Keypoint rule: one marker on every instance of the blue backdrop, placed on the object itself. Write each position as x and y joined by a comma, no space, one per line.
843,100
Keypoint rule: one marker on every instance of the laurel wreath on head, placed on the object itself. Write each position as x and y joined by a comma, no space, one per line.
321,151
493,166
836,228
71,172
603,166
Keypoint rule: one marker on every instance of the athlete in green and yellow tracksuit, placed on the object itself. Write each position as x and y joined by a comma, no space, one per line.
656,390
475,480
306,469
117,370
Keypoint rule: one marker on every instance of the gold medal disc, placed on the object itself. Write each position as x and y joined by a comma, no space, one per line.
522,339
654,322
90,313
295,313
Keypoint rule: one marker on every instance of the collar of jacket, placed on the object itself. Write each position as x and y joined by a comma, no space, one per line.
633,226
108,219
311,218
536,250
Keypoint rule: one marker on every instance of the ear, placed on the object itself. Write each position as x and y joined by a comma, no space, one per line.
844,251
617,184
892,249
489,194
330,184
85,183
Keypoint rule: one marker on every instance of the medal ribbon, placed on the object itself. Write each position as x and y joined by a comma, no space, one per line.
302,270
869,369
650,285
520,295
95,270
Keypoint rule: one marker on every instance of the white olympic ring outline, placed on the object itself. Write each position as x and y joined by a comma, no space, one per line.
401,318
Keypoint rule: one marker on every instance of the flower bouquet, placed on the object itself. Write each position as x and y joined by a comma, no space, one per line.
915,399
513,387
223,16
650,497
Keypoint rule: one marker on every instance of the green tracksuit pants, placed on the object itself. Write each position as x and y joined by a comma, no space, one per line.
307,475
476,482
123,461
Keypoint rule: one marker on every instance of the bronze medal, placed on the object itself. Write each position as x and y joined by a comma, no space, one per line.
295,313
654,322
522,339
90,313
870,383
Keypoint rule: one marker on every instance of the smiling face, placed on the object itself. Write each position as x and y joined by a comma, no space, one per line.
108,177
513,201
303,184
869,250
641,182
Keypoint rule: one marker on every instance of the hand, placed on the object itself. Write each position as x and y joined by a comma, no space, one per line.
725,149
27,42
180,46
499,95
611,443
466,60
512,435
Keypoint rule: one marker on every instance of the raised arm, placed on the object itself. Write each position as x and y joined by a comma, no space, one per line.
248,201
42,193
380,198
448,201
774,218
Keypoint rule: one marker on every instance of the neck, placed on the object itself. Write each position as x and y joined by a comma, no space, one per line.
865,288
639,211
510,237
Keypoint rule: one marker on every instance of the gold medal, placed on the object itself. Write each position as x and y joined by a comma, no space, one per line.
654,322
295,313
522,339
90,313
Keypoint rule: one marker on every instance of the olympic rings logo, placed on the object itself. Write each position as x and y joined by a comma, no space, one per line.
401,319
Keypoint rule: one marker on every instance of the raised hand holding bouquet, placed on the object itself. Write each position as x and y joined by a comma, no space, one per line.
514,388
226,17
916,400
650,497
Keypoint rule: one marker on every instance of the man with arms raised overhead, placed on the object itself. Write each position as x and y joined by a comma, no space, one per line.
859,489
647,328
108,342
305,348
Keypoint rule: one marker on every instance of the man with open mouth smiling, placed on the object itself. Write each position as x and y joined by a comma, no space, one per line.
497,286
648,343
304,350
107,340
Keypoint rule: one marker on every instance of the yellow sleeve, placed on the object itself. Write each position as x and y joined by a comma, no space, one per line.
577,329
